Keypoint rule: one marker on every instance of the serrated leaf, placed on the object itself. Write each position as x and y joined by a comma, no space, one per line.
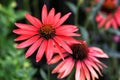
72,7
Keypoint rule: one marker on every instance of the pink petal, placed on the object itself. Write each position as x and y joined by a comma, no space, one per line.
34,47
65,66
34,21
59,50
68,69
91,69
50,18
98,18
23,37
78,68
68,39
27,32
108,24
44,14
28,42
56,59
101,23
26,27
66,33
117,19
41,50
97,52
63,19
70,28
86,72
49,52
56,18
63,44
97,61
58,66
82,74
95,66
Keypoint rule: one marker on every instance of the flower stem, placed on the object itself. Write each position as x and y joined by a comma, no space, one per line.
48,69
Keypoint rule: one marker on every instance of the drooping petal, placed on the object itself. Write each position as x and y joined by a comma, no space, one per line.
63,44
78,68
34,21
82,74
63,19
86,72
91,69
44,14
56,59
65,66
34,47
58,67
95,66
41,50
28,42
26,27
68,69
49,52
97,52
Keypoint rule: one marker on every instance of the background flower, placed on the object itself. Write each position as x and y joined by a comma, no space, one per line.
109,15
85,60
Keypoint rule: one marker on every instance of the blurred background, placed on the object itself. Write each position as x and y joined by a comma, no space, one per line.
14,65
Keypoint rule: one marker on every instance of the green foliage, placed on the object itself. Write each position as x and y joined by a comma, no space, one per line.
13,65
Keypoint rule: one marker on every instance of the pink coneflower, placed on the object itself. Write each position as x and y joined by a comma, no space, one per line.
84,59
109,15
45,35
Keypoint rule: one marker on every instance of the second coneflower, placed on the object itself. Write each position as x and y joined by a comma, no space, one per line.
109,14
85,60
46,34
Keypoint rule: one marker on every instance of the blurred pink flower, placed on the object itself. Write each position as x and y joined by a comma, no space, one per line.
46,34
109,15
116,38
84,59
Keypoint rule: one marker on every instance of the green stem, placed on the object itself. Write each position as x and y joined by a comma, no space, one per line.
48,69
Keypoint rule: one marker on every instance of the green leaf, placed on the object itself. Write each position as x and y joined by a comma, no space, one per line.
111,30
43,74
72,7
20,14
84,33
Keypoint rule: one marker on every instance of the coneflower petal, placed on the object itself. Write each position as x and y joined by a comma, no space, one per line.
63,19
49,52
34,21
41,50
28,42
34,47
